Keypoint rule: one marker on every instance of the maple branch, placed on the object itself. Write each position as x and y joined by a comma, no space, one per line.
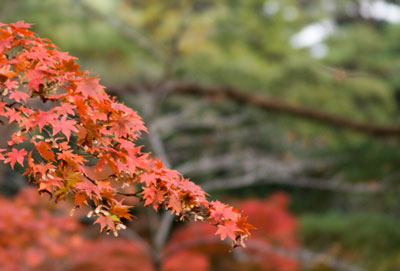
47,132
99,124
136,194
275,105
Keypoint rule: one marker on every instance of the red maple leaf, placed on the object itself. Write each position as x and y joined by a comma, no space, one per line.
35,78
21,24
228,229
65,108
42,118
45,151
148,178
12,114
88,187
121,210
175,203
90,87
153,195
16,156
104,222
7,73
217,210
80,198
65,126
11,84
19,95
16,138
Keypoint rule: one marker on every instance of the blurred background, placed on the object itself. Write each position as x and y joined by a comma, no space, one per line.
287,109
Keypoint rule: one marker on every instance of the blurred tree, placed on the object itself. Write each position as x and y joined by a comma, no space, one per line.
248,59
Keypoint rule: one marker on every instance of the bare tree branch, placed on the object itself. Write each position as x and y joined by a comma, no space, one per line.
275,105
260,177
270,170
248,161
170,124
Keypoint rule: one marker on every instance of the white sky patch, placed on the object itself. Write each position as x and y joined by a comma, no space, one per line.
312,34
380,10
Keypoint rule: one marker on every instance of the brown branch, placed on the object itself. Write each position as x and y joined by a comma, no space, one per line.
250,179
275,105
129,194
268,170
249,161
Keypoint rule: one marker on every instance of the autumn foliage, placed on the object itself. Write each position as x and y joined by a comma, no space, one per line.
31,235
43,237
75,141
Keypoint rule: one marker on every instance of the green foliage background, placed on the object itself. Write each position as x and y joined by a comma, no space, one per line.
247,45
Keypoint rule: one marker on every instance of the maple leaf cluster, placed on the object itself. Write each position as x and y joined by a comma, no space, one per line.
276,228
82,145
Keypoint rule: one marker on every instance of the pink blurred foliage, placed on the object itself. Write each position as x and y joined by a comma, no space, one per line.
36,234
